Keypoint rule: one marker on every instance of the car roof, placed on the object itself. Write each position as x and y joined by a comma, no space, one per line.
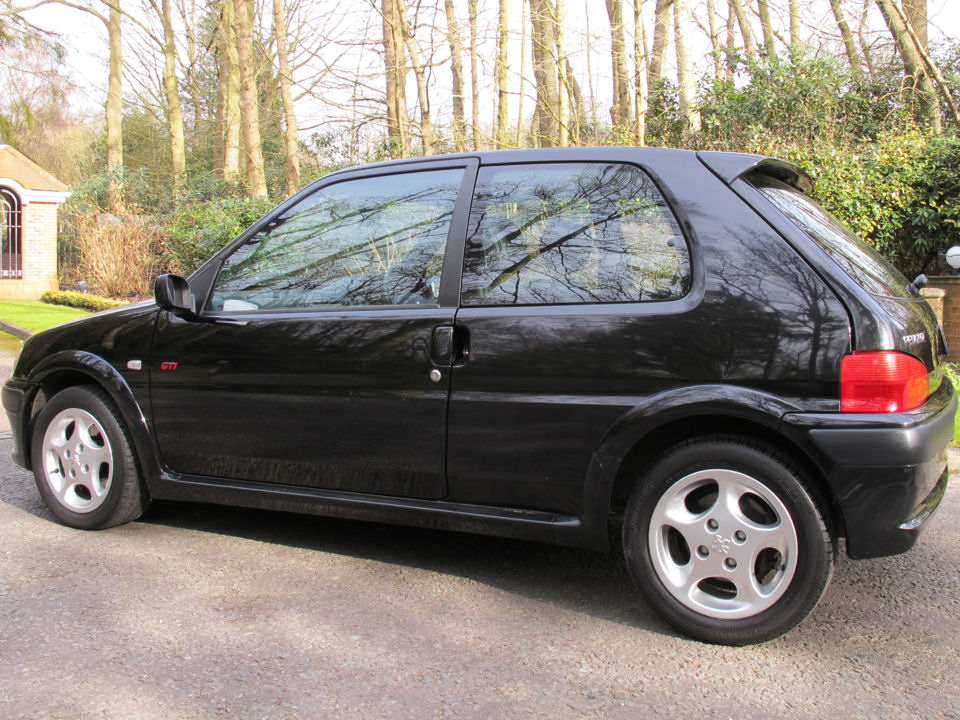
726,165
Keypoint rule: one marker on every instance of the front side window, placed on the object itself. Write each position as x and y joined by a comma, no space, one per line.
571,233
369,241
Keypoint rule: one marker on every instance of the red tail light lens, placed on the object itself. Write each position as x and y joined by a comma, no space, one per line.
882,381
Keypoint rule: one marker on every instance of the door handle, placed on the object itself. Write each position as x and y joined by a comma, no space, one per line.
442,348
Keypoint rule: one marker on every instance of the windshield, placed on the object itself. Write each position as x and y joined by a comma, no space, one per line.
861,261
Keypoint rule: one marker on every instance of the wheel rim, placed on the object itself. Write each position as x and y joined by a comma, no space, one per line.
77,460
723,544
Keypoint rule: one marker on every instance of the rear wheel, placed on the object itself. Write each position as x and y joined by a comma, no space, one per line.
83,461
727,541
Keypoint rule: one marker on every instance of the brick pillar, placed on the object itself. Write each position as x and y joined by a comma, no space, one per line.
949,314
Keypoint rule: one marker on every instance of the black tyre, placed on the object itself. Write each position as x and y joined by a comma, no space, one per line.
83,461
728,541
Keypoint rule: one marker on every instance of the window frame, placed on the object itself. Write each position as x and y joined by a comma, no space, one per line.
203,280
11,242
669,202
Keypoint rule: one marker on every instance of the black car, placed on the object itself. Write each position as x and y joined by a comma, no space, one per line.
675,348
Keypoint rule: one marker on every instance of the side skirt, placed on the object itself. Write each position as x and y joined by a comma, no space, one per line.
536,525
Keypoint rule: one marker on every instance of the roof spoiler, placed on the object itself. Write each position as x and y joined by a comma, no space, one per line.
732,166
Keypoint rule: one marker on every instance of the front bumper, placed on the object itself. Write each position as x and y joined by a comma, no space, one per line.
887,472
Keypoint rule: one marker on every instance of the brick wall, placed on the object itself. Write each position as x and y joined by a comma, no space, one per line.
950,284
39,252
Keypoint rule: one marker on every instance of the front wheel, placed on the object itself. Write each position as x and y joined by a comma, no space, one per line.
83,461
728,541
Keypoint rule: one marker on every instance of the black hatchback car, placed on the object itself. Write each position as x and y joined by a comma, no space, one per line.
674,348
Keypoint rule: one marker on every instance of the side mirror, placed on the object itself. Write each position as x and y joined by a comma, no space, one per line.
173,293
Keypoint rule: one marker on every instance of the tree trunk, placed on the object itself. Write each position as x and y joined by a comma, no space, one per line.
502,124
620,111
749,48
916,14
714,31
291,145
661,36
848,43
543,42
523,52
456,68
862,39
794,25
769,39
396,74
249,102
231,98
731,42
640,75
918,82
114,113
420,74
172,95
474,73
685,77
563,115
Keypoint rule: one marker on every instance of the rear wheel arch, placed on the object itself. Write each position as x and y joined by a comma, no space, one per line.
647,448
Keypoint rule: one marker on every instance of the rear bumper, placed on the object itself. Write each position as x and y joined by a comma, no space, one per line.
16,396
888,473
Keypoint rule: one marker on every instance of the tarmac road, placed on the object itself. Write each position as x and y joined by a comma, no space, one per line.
204,612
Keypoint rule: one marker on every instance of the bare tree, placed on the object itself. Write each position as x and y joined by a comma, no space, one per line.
749,47
394,60
249,102
919,85
686,83
290,142
543,45
456,68
661,36
640,74
620,111
502,129
769,39
474,73
849,46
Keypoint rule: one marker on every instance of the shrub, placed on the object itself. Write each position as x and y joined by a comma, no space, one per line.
118,258
84,301
197,230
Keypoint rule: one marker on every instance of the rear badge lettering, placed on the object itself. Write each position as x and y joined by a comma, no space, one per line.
168,366
915,338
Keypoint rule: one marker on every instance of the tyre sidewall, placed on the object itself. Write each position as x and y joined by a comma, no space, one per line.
84,399
814,562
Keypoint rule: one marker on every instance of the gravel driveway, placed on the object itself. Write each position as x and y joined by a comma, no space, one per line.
206,612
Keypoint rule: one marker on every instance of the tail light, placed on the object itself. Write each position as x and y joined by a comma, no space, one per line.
882,381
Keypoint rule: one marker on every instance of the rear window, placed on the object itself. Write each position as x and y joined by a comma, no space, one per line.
861,261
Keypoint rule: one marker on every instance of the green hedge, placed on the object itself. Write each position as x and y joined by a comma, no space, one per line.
85,301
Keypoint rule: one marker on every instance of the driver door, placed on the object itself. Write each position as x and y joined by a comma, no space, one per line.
320,358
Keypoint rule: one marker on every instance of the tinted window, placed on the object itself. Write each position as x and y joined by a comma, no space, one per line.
571,233
372,241
860,261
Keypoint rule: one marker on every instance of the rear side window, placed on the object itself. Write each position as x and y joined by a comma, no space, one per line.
571,233
859,260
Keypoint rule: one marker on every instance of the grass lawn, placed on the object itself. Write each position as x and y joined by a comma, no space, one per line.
35,315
